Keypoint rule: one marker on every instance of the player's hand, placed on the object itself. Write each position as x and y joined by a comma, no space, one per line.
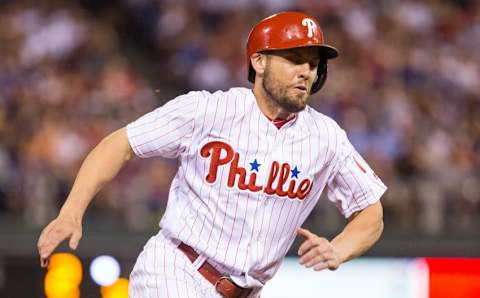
317,252
61,228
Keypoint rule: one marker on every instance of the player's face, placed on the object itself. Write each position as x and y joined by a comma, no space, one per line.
289,76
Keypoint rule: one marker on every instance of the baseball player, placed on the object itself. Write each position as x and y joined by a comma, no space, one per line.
252,166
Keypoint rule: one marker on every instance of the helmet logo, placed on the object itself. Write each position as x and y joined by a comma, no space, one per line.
310,25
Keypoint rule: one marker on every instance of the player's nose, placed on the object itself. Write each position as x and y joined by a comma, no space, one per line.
306,71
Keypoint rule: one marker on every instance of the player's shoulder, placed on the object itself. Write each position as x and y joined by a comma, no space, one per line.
208,99
221,103
328,130
232,93
321,121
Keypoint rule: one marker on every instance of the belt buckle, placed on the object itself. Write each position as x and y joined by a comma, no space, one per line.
219,281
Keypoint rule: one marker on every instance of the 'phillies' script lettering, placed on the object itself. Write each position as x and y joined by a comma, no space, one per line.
278,183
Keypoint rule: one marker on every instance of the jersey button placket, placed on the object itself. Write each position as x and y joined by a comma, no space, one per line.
272,137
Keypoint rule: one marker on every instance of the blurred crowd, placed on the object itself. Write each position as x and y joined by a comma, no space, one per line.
64,85
406,88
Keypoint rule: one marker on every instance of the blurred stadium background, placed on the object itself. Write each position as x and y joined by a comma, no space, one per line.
406,88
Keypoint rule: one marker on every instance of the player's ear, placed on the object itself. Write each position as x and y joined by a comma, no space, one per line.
259,63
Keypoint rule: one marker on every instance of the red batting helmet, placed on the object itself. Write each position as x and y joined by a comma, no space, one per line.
287,30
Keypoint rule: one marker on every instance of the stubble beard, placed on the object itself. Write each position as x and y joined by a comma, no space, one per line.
280,96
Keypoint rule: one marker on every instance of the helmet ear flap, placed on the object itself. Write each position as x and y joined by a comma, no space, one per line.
251,73
321,77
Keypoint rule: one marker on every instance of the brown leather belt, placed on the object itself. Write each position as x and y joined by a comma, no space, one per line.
223,284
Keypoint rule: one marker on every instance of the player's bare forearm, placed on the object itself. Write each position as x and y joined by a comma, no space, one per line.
100,166
361,232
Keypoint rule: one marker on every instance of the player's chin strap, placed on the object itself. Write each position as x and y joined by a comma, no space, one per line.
224,285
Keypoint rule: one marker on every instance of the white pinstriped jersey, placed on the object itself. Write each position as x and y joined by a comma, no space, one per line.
243,186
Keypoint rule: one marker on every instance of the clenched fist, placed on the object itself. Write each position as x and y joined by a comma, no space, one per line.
317,252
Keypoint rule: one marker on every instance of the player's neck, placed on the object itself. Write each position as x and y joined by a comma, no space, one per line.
268,106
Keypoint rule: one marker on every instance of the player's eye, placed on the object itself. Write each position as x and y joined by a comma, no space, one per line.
314,64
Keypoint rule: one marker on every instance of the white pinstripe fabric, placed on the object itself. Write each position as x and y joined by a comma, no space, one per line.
243,233
162,270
